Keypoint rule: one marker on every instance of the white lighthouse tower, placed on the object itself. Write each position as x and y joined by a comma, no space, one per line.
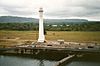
41,27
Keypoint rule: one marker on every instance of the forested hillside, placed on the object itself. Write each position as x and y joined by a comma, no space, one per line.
23,23
13,19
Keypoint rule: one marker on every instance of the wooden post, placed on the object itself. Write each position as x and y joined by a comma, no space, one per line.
63,60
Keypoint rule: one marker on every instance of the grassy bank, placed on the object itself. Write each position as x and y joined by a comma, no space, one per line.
51,35
74,36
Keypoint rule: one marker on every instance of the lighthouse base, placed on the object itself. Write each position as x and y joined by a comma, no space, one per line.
41,40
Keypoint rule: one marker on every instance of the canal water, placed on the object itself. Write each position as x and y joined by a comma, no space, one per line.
86,60
27,60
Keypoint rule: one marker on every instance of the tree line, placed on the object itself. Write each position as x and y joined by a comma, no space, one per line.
84,26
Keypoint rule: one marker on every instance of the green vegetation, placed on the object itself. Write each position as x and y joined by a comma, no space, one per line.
69,26
17,26
31,24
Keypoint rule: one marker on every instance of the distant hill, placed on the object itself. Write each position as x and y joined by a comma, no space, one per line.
64,21
24,19
23,23
16,19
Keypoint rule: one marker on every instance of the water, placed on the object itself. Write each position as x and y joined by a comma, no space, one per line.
87,60
83,63
12,60
23,61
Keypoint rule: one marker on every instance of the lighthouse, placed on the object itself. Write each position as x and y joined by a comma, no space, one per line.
41,37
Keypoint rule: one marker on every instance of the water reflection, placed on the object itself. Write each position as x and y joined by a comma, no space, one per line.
83,63
23,61
86,60
41,63
43,60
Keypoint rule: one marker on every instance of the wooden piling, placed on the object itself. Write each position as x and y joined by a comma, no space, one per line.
63,60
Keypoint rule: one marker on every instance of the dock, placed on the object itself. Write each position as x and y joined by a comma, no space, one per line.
66,47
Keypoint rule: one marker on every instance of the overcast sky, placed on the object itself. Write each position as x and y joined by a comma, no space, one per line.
89,9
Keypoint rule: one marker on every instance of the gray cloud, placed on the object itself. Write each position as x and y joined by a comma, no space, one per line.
54,8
